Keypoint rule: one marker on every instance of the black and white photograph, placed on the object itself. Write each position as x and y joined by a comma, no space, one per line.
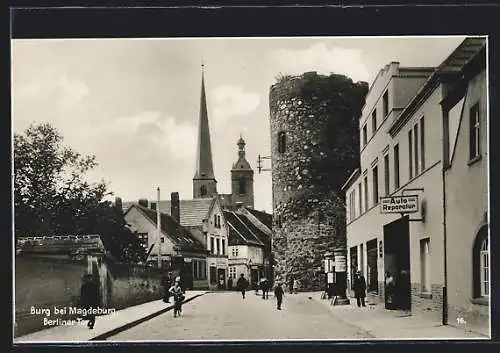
222,189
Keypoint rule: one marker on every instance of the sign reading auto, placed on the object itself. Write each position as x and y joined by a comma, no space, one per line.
399,204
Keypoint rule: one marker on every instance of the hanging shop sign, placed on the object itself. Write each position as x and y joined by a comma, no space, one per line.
399,204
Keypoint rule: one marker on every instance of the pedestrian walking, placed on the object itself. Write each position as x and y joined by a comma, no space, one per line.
242,285
290,284
360,288
167,283
295,286
279,293
264,286
90,298
178,295
389,290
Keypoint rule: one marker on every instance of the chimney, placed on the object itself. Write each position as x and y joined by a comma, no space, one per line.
118,204
143,202
175,208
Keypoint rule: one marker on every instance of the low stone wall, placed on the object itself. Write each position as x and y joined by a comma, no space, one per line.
43,284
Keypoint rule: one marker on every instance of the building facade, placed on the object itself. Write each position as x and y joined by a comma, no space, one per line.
402,154
216,235
176,243
466,153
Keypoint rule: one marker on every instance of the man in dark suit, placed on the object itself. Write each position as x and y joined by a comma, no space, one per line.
90,298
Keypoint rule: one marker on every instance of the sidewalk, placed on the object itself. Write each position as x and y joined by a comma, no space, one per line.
392,324
105,325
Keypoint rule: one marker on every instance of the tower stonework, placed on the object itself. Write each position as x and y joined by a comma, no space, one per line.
242,178
204,183
314,148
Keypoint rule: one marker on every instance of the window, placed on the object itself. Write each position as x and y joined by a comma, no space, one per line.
360,198
281,142
241,188
223,246
235,252
396,167
474,134
352,205
410,155
386,175
374,122
422,144
212,247
203,190
365,136
415,148
485,269
366,193
375,185
425,279
481,264
200,269
218,246
385,100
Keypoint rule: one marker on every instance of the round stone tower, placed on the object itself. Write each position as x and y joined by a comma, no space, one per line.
314,149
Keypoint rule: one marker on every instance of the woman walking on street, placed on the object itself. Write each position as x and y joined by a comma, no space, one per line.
178,295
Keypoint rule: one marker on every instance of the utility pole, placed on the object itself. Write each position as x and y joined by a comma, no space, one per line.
158,226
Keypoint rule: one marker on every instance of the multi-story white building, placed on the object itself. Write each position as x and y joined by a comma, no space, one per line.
216,240
401,134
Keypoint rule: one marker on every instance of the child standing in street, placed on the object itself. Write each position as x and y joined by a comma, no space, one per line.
279,293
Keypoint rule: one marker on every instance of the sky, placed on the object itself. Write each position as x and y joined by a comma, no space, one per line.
134,103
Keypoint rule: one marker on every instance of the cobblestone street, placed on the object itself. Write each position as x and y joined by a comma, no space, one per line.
226,316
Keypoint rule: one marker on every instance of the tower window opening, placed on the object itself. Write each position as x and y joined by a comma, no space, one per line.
281,142
241,185
203,190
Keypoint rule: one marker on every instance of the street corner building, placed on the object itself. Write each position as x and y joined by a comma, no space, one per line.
417,206
313,125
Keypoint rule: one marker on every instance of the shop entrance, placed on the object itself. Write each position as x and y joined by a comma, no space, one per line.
371,259
397,262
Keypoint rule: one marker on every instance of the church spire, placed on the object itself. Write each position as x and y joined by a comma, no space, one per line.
204,166
204,183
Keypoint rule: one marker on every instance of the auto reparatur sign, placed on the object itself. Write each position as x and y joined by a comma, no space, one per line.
399,204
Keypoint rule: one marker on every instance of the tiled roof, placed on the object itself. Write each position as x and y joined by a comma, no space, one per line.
192,212
180,235
257,233
68,244
265,218
239,230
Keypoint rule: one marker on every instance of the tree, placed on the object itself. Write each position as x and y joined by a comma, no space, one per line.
52,197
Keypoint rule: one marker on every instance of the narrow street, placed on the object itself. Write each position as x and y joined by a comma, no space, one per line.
226,316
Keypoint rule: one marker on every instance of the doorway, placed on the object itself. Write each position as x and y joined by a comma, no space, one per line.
397,262
221,275
372,266
353,254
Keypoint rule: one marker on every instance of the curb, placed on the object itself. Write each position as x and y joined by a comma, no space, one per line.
129,325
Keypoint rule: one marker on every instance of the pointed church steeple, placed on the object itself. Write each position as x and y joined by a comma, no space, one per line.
204,183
